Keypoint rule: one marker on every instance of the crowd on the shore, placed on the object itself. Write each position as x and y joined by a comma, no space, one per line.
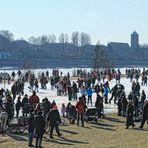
16,102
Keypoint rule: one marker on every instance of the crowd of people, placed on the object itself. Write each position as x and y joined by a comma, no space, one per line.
80,94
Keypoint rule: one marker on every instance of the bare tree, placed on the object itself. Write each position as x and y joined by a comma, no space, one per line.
34,40
63,38
66,38
53,38
101,59
75,38
85,39
44,39
7,34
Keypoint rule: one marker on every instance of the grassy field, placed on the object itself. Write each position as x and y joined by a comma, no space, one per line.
109,132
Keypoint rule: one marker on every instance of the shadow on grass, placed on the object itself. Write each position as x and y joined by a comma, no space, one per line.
113,119
56,141
104,128
3,140
17,137
69,132
73,141
139,129
102,124
64,141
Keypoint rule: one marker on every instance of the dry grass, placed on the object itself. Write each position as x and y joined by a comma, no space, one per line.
108,133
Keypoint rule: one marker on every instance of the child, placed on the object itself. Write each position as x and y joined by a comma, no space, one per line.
63,109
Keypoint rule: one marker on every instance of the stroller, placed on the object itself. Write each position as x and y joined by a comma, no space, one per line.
91,115
72,114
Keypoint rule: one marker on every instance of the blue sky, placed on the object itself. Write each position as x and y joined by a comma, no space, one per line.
104,20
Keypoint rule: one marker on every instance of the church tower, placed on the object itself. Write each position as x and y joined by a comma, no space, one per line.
134,40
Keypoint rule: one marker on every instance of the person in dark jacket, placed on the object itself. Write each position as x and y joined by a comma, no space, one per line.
14,90
18,106
30,127
99,104
97,88
72,114
74,90
113,92
124,103
143,97
26,105
130,110
47,107
136,102
36,85
145,114
55,120
39,128
9,108
69,88
119,104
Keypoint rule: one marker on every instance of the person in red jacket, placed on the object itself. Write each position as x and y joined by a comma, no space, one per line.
80,111
34,99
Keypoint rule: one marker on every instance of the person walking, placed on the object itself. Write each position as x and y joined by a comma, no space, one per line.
99,104
39,128
106,91
145,114
31,128
55,120
3,119
18,106
130,110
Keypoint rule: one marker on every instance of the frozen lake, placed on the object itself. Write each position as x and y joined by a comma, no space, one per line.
52,94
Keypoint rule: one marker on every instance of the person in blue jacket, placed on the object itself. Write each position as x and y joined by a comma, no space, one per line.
106,91
89,94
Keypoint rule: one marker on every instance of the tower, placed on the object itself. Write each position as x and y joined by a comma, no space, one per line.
134,40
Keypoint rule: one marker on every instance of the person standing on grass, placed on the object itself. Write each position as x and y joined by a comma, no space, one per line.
80,111
143,97
145,114
39,128
130,110
3,119
99,104
31,128
55,120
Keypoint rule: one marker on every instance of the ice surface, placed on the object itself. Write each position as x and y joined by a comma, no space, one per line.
52,94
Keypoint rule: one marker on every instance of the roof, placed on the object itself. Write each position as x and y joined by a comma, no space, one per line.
135,33
116,49
119,46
